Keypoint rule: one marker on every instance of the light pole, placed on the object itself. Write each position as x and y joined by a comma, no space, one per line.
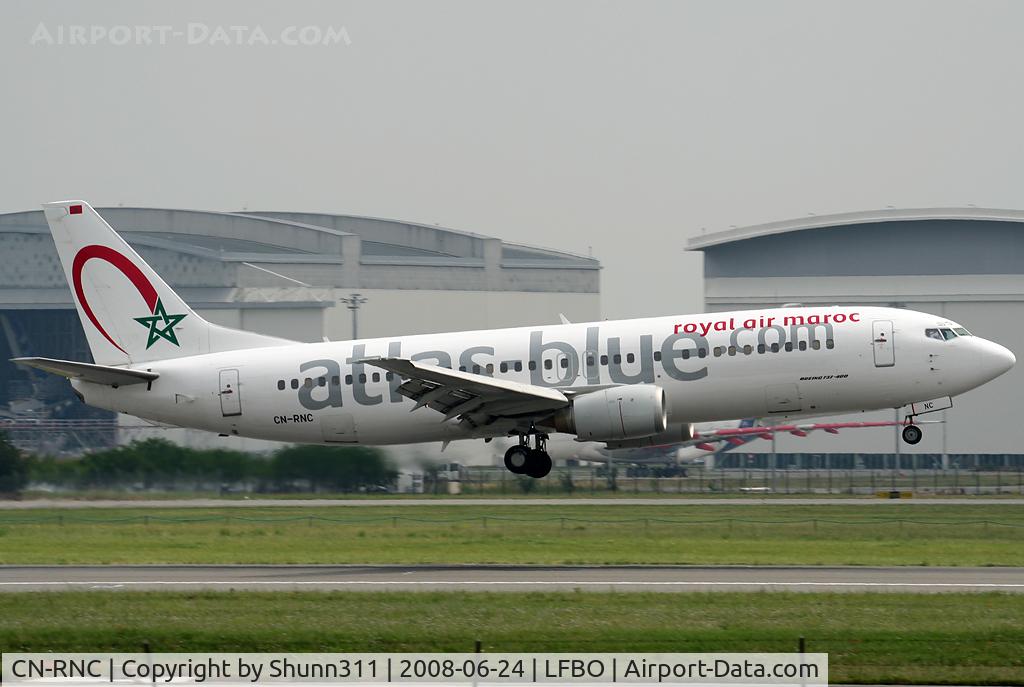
353,302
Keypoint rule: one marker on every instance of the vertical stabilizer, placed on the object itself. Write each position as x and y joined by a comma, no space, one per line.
130,315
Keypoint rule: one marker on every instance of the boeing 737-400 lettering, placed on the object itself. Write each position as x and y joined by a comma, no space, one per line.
626,383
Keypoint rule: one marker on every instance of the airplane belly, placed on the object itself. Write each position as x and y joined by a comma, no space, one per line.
383,430
706,402
379,425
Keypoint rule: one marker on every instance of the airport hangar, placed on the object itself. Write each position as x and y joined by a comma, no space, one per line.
278,273
965,264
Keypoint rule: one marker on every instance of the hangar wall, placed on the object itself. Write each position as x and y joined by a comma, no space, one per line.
965,264
280,273
391,313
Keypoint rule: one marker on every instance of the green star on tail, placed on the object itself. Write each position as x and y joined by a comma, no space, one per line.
160,316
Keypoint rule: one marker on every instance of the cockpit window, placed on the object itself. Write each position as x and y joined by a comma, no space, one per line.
946,333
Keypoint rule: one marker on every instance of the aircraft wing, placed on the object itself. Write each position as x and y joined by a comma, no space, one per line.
99,374
473,398
740,435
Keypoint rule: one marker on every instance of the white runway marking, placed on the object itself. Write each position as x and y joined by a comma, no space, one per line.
511,578
499,583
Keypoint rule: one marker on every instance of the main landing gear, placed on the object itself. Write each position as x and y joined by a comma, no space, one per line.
523,460
911,433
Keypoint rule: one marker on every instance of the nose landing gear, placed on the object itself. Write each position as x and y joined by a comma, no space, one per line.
533,462
912,433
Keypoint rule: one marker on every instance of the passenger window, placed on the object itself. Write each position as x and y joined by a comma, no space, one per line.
933,334
533,364
295,384
280,385
816,345
748,349
519,366
761,348
732,350
490,368
702,353
336,380
389,376
376,376
719,351
657,355
685,354
630,358
604,360
830,343
564,362
547,364
789,346
348,379
503,367
476,369
308,383
322,381
362,379
775,348
802,346
462,368
617,358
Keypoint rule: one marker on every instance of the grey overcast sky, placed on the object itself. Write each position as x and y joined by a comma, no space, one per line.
622,126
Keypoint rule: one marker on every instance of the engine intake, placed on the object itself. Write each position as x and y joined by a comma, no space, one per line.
626,412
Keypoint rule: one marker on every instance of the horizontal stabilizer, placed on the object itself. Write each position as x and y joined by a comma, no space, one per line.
98,374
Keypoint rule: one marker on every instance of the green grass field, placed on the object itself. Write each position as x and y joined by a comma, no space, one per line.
871,638
555,534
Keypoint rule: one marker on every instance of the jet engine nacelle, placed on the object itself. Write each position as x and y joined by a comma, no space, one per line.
676,434
626,412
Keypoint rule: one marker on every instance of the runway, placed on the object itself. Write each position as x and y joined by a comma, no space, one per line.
414,502
505,578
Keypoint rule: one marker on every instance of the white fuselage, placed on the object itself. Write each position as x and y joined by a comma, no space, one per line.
712,367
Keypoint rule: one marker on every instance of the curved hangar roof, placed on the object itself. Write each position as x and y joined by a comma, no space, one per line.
211,255
940,241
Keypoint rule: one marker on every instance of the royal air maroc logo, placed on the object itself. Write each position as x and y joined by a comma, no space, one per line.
159,323
156,331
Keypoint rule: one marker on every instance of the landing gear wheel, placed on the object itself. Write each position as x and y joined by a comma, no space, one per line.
517,459
539,465
912,434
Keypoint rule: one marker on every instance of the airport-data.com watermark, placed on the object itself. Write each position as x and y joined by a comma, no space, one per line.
190,34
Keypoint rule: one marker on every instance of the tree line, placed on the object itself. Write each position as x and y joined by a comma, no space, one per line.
161,464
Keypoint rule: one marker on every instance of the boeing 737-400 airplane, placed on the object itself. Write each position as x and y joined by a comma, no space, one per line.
625,383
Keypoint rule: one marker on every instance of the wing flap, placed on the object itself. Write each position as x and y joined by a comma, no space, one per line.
468,396
98,374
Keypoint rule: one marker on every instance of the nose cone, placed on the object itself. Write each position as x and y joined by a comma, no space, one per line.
994,360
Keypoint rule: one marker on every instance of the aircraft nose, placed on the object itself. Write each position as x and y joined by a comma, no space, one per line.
994,360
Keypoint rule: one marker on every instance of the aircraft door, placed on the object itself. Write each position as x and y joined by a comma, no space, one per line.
339,427
230,399
783,398
882,342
